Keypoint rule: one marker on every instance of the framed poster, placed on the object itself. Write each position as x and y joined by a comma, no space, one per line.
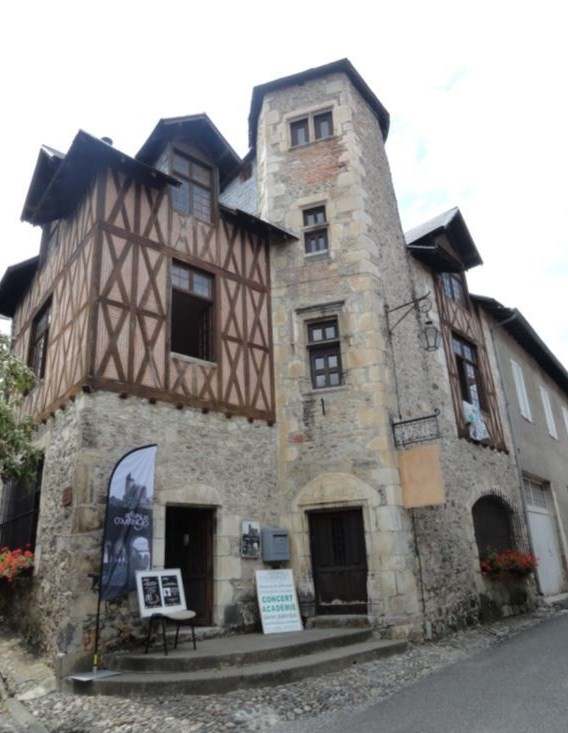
277,601
160,591
250,540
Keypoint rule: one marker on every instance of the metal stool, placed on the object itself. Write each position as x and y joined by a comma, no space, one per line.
177,617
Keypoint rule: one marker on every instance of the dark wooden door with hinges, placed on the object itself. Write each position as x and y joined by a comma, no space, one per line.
189,546
339,561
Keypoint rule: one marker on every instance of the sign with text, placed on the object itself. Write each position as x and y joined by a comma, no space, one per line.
277,601
160,591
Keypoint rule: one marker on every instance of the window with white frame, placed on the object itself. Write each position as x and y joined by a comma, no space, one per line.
548,413
565,415
524,405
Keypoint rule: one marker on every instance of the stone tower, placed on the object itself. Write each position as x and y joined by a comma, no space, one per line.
322,172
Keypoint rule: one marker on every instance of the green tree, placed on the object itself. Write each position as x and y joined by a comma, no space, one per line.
18,457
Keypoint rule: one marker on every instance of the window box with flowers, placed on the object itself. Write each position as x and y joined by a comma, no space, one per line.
508,563
14,563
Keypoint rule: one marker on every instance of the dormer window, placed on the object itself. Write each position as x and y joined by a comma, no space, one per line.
195,195
454,288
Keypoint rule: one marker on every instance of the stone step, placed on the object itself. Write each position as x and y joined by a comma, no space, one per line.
338,621
224,679
236,651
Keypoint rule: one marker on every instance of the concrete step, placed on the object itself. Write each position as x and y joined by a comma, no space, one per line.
236,651
225,679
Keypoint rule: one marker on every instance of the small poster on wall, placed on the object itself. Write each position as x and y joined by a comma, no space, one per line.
250,540
277,601
160,591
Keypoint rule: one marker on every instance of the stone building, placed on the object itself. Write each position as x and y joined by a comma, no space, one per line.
259,320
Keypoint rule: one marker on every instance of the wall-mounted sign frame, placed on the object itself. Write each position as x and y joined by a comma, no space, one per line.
277,601
160,591
250,539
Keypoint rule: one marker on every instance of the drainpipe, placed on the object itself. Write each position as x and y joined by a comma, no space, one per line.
514,439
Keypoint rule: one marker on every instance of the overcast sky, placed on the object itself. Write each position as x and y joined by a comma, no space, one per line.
476,93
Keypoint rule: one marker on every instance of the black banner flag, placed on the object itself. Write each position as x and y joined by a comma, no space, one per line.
127,538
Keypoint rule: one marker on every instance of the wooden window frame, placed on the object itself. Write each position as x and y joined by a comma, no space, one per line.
327,348
189,301
454,287
186,198
315,230
464,378
39,340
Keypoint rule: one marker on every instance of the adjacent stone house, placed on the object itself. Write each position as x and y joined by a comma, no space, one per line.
259,320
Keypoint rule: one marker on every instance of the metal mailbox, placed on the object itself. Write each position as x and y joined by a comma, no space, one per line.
275,545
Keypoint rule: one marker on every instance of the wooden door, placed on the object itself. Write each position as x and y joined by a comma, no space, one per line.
339,561
189,546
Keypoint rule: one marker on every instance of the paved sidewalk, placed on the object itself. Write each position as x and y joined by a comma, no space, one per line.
23,677
34,705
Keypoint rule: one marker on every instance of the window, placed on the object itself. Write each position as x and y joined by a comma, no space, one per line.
324,352
315,230
548,413
465,355
454,288
19,512
194,196
192,312
492,525
524,405
536,493
317,126
39,339
299,133
565,414
323,125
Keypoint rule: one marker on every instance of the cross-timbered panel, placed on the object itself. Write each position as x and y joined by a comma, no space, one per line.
454,318
194,238
231,248
121,267
120,201
256,259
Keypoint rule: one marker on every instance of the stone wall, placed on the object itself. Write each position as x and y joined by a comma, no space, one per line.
203,460
452,588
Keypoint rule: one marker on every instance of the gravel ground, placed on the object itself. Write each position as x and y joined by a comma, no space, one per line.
266,708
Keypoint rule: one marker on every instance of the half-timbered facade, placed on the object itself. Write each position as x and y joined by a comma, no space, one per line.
146,317
164,307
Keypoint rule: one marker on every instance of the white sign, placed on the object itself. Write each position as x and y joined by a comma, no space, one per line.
277,601
160,591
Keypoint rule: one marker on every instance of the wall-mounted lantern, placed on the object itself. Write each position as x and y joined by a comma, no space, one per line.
430,337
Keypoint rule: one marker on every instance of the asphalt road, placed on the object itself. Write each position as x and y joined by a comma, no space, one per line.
520,686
